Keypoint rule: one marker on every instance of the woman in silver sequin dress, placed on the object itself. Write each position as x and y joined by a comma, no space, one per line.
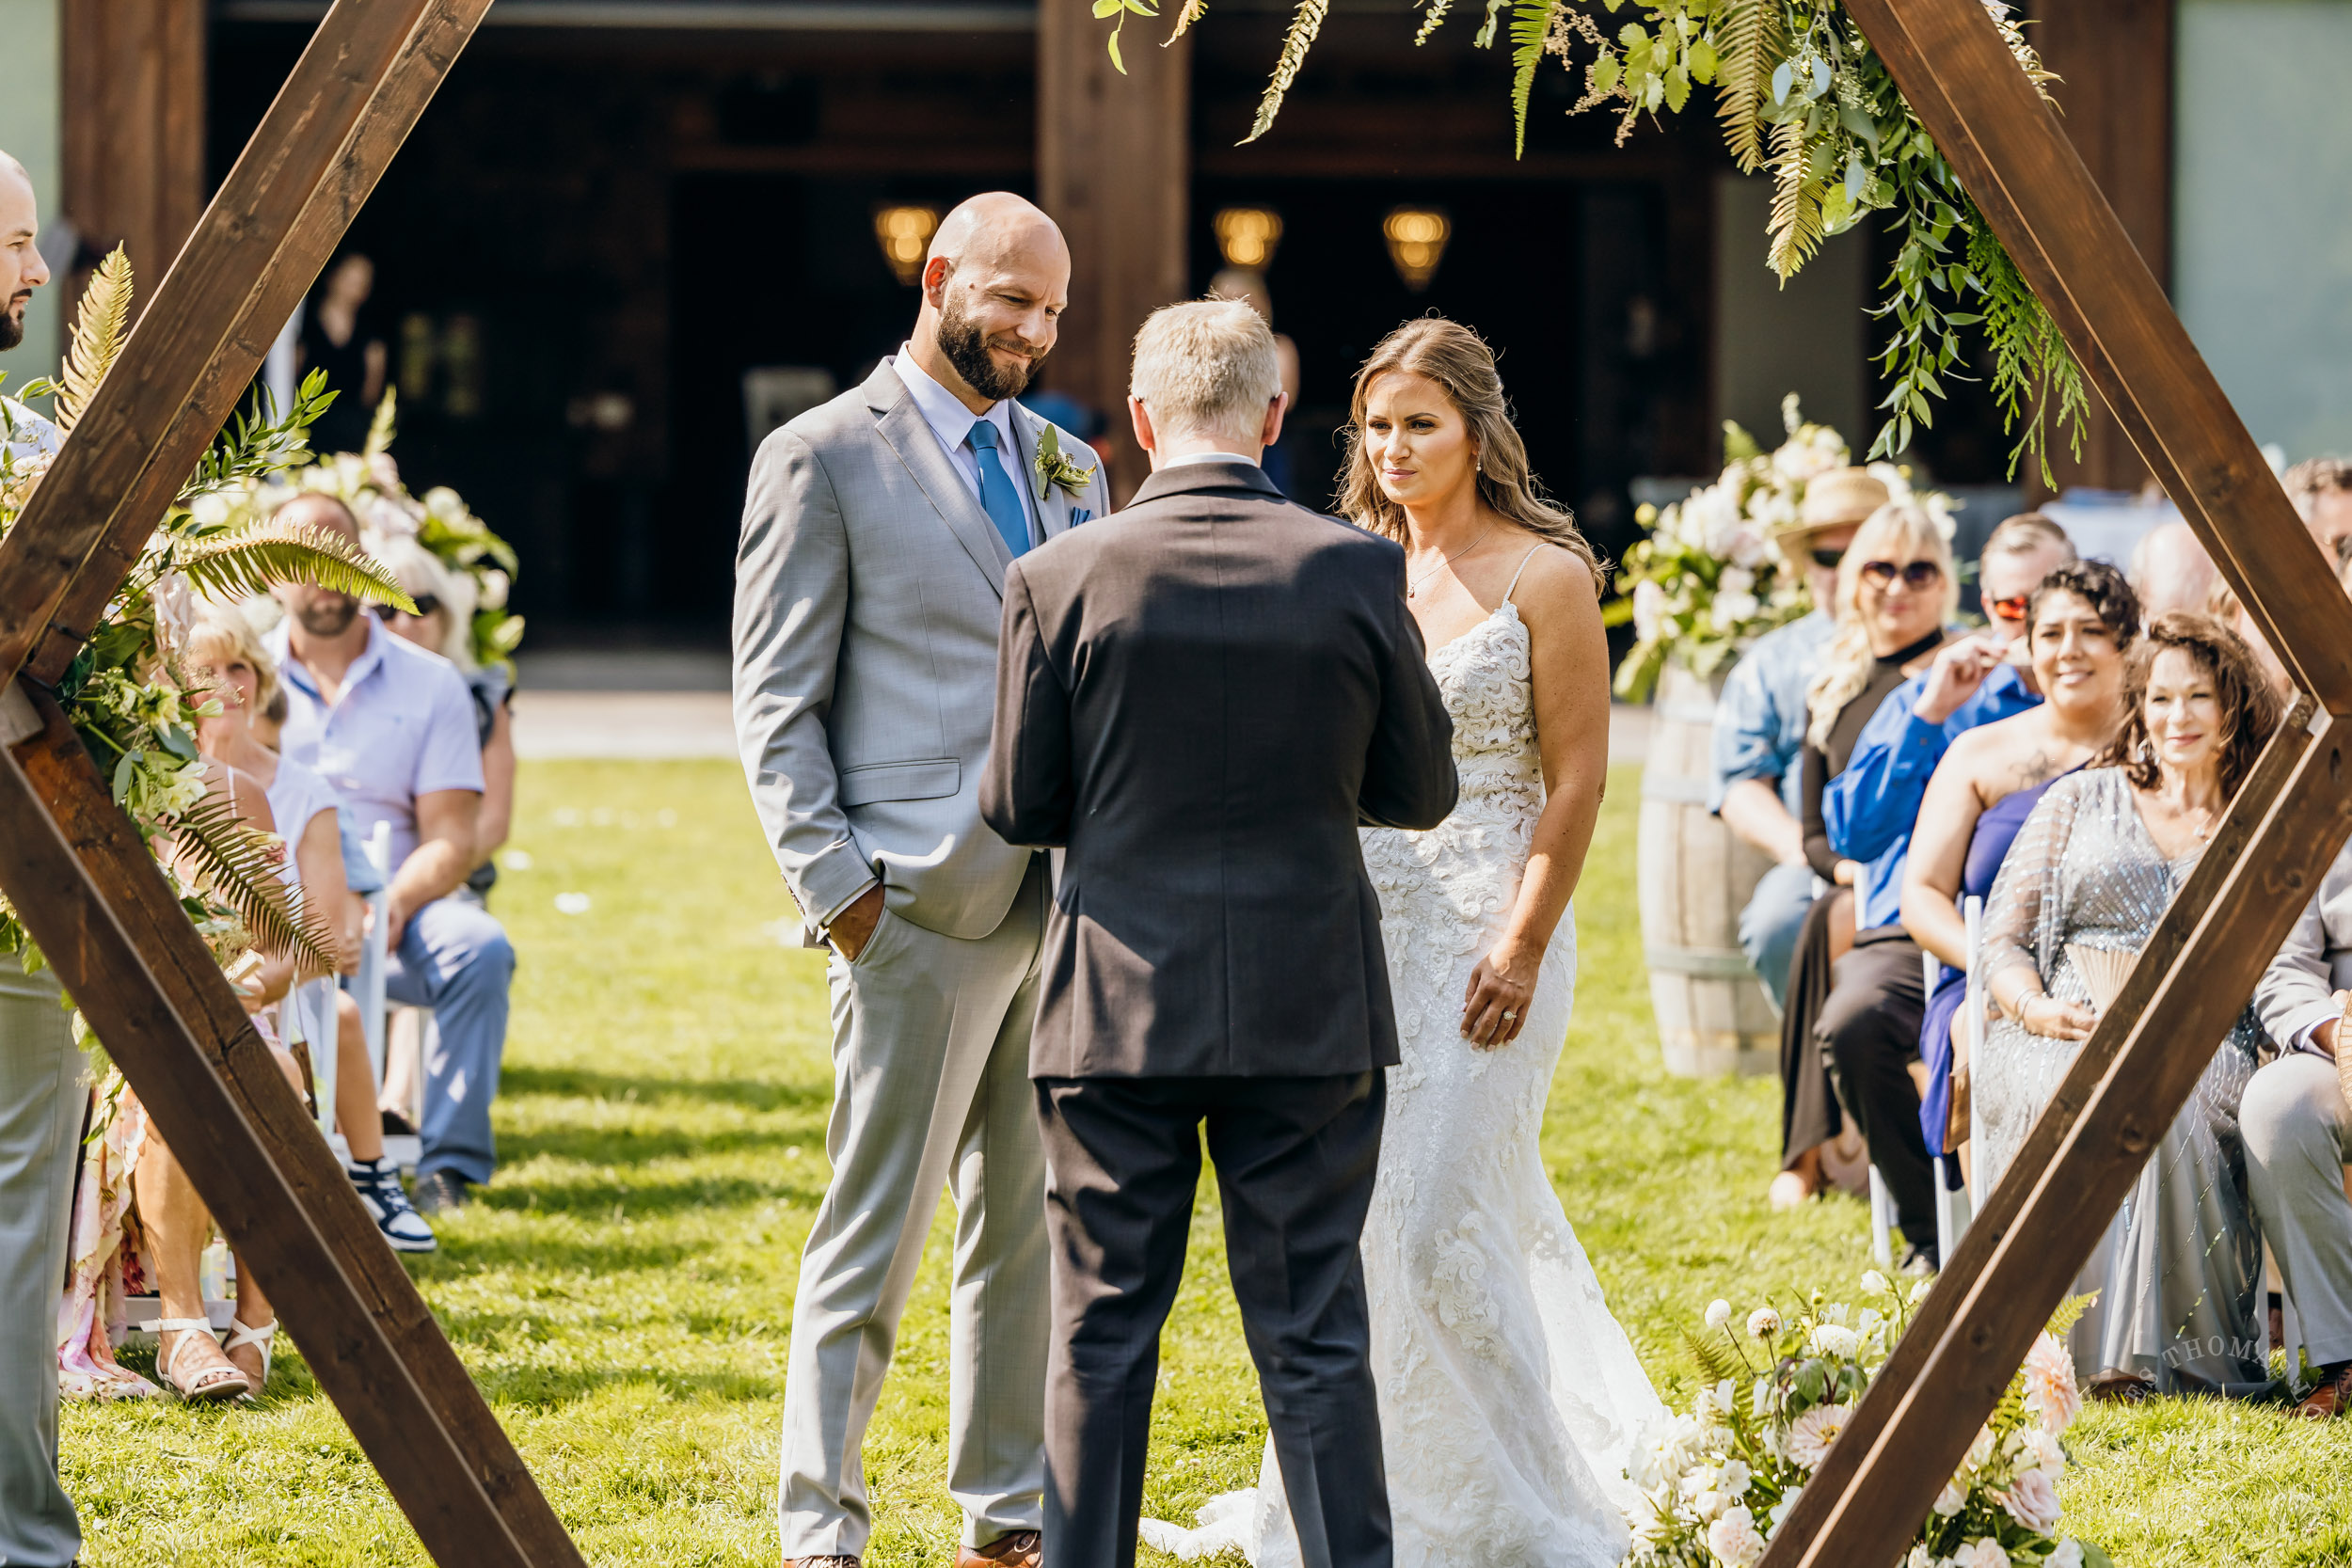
2094,868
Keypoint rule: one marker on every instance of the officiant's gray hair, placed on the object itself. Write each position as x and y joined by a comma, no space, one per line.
1206,368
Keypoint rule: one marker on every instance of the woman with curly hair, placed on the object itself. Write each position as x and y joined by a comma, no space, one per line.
2091,872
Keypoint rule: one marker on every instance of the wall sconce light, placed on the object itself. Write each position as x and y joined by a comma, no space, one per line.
905,236
1417,237
1246,236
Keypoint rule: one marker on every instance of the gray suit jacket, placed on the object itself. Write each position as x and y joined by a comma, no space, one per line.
2316,961
867,594
1202,698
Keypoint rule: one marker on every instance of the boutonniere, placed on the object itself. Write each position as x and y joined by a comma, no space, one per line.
1058,469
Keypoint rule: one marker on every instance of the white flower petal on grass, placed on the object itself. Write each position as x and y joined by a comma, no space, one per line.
573,903
515,860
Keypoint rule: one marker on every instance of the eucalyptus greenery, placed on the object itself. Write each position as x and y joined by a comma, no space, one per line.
1801,96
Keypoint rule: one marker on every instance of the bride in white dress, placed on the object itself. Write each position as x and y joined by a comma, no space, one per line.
1509,1396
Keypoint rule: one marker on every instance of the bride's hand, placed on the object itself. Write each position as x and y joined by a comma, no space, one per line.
1494,1009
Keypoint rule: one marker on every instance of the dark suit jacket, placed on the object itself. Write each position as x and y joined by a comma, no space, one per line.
1200,699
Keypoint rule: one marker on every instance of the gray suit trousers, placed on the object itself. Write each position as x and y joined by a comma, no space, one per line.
1294,1164
2292,1117
930,1090
41,1121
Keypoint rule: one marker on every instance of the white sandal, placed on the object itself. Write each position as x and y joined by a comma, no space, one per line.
239,1334
224,1382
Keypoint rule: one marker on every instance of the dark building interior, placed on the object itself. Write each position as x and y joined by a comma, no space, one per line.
597,231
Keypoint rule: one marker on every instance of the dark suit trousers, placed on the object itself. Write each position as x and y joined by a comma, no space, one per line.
1295,1162
1869,1029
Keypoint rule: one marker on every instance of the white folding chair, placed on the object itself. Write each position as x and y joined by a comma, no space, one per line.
367,987
1881,1220
306,1017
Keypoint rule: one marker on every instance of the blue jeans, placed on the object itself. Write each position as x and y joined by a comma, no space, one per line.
1770,925
454,959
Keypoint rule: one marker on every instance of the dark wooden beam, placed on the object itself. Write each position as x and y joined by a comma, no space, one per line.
1113,169
1864,1504
350,103
91,895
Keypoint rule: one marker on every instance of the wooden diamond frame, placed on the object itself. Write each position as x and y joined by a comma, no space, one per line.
86,889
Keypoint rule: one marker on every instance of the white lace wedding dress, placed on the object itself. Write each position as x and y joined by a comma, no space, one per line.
1509,1396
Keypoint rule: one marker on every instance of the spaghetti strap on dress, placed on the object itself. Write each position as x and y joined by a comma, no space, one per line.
1523,570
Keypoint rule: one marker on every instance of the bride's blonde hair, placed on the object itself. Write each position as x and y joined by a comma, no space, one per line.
1458,360
1897,531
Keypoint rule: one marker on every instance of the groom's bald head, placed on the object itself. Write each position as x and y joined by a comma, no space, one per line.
994,286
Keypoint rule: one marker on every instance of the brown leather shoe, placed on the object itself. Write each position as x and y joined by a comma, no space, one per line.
2334,1396
1023,1549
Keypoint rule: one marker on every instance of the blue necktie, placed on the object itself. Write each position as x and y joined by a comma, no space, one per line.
1002,502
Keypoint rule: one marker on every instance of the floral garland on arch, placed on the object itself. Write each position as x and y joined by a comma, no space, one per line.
1802,97
132,700
1710,578
1718,1482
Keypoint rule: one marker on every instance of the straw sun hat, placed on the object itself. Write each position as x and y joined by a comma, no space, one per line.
1840,497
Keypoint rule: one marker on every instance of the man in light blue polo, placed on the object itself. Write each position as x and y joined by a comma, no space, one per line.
392,727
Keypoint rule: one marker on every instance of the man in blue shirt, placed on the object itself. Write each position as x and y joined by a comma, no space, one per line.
1870,806
1760,721
392,727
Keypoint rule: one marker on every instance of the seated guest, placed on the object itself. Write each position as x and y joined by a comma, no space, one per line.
1895,590
443,624
2321,489
393,728
2078,625
1760,719
224,653
2222,604
1871,805
2171,570
2094,868
2294,1119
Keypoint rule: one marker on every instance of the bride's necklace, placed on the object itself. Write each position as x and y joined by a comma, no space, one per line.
1412,586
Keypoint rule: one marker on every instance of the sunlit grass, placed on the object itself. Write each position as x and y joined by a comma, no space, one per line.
623,1290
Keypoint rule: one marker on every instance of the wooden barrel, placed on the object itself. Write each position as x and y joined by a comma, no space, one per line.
1695,876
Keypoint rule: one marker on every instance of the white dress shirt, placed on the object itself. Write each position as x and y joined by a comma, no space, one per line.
1209,457
952,422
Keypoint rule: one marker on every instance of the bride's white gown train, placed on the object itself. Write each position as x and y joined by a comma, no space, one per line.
1509,1396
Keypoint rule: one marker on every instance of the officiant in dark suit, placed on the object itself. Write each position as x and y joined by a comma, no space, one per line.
1200,699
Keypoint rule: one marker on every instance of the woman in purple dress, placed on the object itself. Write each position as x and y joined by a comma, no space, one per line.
2078,624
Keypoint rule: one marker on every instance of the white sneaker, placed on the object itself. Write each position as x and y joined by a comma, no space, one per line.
387,1204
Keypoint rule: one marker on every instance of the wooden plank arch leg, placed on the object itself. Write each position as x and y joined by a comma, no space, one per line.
83,884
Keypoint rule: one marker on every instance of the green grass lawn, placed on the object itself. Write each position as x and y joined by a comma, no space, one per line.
623,1290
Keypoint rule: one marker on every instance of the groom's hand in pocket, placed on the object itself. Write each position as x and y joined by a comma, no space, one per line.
853,928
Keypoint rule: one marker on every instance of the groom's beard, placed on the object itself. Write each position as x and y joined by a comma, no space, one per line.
966,348
12,322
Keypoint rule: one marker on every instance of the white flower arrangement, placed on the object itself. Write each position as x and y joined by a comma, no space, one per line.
1718,1484
1710,578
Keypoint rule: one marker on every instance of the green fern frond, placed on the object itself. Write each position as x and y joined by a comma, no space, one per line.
2070,1312
263,440
1530,23
235,859
1745,36
381,428
1796,225
101,323
1715,1356
1433,18
255,559
1305,24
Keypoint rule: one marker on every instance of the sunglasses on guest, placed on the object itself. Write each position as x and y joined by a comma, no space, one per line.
2012,608
1827,559
1918,575
427,607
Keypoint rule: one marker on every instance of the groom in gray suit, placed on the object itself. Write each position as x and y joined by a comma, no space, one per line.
876,533
1201,698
